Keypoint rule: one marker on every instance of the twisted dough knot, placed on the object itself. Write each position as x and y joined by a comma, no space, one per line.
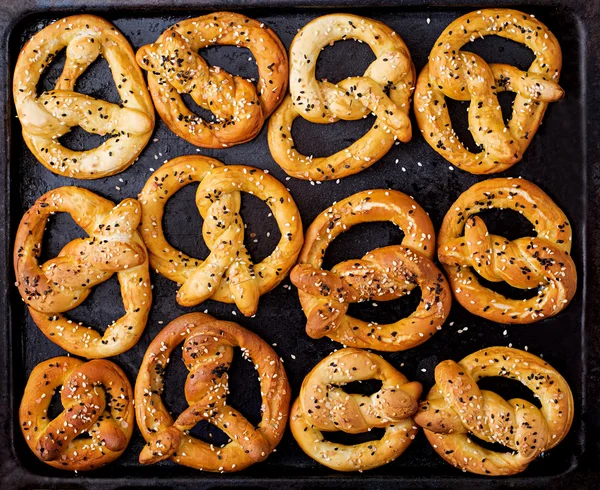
541,262
207,353
465,76
228,274
174,67
324,406
51,115
384,274
61,284
96,398
384,90
455,408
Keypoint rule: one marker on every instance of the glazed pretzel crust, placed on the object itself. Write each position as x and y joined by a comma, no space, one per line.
174,67
207,353
51,115
543,261
385,274
456,407
96,397
324,406
461,75
63,283
385,89
228,273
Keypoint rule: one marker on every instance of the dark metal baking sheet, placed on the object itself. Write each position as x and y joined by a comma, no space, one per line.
562,159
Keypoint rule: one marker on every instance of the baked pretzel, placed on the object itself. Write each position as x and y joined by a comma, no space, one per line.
63,283
228,273
385,274
174,67
385,89
207,354
534,262
461,75
456,407
97,399
324,406
47,117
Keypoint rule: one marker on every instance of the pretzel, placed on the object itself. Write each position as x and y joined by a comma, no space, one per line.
456,408
207,354
385,274
324,406
97,399
63,283
534,262
385,89
461,75
52,115
228,273
174,67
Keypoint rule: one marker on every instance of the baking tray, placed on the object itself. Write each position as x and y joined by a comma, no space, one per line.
563,159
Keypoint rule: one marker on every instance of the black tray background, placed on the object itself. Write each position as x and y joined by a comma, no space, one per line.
555,160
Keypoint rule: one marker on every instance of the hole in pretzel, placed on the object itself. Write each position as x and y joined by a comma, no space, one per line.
343,59
51,73
60,230
78,139
496,49
382,312
508,388
262,233
366,387
340,437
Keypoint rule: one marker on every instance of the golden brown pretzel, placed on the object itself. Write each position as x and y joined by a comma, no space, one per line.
385,89
207,353
542,262
455,408
51,115
96,397
174,67
461,75
61,284
228,273
385,274
324,406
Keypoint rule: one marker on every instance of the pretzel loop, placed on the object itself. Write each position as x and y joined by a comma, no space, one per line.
540,262
174,67
207,353
47,117
456,407
384,90
61,284
461,75
97,399
384,274
324,406
228,274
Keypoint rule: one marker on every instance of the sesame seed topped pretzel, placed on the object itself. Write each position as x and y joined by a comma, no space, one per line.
385,274
460,75
543,262
174,67
385,89
63,283
456,407
96,398
228,273
207,354
324,406
47,117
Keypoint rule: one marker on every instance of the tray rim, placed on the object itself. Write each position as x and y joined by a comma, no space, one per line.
587,17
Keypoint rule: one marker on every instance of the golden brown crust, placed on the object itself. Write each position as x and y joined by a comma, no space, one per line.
175,67
207,353
96,397
542,262
51,115
228,273
385,274
324,406
61,284
460,75
385,89
455,408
